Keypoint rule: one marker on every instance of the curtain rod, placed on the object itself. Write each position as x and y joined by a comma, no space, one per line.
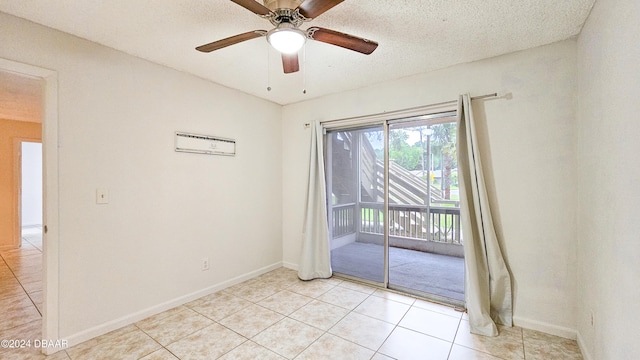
409,110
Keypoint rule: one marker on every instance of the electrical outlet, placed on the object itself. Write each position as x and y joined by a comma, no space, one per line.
205,264
102,196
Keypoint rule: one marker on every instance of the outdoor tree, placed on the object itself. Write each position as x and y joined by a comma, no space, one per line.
444,138
405,155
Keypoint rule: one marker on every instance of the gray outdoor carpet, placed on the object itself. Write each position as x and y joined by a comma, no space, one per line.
429,273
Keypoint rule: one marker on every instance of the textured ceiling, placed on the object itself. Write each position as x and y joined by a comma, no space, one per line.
415,36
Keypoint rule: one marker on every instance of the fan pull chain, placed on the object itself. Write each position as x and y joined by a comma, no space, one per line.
268,68
304,69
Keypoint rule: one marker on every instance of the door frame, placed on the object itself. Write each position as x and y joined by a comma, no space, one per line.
50,191
385,120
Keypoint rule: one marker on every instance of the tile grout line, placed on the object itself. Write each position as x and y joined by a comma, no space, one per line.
326,331
256,303
316,299
454,337
347,314
156,341
287,317
21,286
395,326
342,318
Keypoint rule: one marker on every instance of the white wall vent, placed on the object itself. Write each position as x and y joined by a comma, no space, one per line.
204,144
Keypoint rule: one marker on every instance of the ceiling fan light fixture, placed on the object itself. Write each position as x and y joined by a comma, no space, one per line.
286,38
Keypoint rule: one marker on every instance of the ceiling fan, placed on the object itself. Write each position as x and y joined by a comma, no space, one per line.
287,16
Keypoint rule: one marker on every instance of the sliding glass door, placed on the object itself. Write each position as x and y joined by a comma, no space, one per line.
396,222
425,251
355,187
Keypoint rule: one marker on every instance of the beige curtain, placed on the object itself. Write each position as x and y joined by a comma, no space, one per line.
488,282
315,259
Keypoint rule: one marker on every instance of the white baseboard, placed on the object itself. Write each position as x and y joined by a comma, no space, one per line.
102,329
556,330
583,348
290,265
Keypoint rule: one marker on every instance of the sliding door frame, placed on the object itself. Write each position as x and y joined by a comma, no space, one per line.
386,204
425,114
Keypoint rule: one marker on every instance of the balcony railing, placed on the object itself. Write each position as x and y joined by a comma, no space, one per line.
435,223
342,219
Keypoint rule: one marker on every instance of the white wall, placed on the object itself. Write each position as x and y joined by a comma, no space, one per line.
117,116
528,144
31,184
609,196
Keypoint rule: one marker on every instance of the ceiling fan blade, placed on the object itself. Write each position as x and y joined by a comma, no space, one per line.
314,8
231,40
290,63
253,6
343,40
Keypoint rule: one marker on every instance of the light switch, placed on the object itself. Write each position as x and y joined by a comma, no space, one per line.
102,196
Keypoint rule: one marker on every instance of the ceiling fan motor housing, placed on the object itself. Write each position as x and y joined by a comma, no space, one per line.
273,5
282,16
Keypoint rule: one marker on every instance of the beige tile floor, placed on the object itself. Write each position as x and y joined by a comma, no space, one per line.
276,316
21,294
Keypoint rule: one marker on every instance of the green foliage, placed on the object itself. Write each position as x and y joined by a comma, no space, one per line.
408,157
405,155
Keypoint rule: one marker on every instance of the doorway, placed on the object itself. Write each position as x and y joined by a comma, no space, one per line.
48,106
393,205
